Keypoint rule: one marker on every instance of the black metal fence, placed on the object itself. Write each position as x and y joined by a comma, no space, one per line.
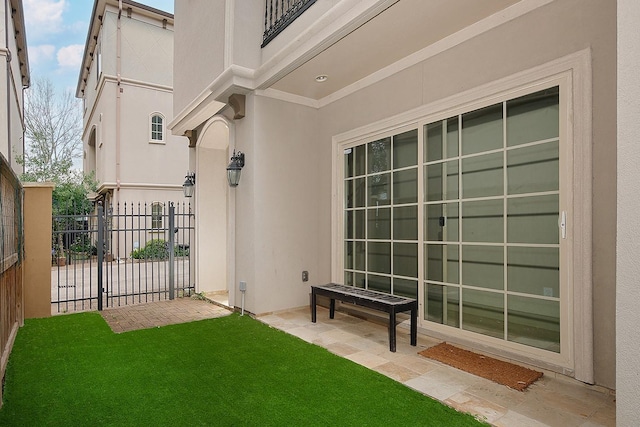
127,254
279,14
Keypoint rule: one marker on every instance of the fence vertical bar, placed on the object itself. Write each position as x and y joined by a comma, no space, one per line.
100,249
172,252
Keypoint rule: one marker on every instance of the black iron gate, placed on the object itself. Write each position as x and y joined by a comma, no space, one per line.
122,255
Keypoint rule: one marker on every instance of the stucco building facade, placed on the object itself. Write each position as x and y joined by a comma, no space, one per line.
464,154
126,87
14,78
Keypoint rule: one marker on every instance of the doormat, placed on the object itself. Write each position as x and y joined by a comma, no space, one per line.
505,373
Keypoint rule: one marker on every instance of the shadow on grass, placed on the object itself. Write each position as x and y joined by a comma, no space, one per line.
72,370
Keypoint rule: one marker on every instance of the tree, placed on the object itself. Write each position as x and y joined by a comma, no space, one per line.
53,131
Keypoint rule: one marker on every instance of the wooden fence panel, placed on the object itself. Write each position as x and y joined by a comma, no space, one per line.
11,257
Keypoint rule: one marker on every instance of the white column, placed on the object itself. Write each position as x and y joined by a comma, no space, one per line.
628,217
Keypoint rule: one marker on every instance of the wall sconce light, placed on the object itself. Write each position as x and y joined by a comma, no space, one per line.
235,168
189,183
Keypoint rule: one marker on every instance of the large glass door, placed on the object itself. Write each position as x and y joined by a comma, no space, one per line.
491,209
465,213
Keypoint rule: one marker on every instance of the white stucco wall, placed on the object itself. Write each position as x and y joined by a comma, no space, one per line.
628,244
200,33
278,211
11,98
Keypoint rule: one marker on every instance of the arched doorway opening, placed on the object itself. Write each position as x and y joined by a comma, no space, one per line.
214,230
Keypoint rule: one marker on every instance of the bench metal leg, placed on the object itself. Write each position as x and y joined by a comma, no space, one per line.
332,308
392,330
313,306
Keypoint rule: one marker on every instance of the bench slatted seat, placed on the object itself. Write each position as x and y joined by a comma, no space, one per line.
391,304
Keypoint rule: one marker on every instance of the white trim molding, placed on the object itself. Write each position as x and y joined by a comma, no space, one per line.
339,21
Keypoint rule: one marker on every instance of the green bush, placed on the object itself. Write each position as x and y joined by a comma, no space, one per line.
82,243
158,249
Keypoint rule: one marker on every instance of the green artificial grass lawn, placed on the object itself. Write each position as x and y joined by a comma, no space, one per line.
232,371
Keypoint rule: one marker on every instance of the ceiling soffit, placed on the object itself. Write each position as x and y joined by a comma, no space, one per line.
406,27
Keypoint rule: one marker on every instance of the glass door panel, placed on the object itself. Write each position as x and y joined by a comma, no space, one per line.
482,130
534,322
405,288
405,186
482,176
405,149
533,117
379,257
379,223
379,283
442,222
441,141
442,263
405,223
483,221
533,219
533,169
483,266
442,305
483,312
535,271
379,190
379,156
405,259
360,193
441,181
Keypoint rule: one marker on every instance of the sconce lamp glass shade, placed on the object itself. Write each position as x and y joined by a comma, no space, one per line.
234,169
189,183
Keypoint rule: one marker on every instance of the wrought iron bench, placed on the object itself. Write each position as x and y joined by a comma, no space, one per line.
391,304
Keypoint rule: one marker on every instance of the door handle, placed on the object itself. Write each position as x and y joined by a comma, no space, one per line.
563,224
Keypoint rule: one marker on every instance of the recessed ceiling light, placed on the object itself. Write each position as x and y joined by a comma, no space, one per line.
322,78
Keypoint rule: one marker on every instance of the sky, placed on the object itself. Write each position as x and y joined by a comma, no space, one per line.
56,33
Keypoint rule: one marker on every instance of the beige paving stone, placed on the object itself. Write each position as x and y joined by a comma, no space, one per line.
498,393
484,409
397,372
375,346
336,335
416,363
304,333
605,415
341,349
552,413
435,387
512,419
366,359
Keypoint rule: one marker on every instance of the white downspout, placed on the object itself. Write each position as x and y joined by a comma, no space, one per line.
7,10
118,94
116,194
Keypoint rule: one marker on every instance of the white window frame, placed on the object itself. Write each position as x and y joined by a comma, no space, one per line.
153,140
98,60
157,217
573,74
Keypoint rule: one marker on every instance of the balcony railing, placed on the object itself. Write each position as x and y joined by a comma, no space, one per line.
279,14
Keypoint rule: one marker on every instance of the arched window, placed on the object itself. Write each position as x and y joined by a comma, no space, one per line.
156,215
157,128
